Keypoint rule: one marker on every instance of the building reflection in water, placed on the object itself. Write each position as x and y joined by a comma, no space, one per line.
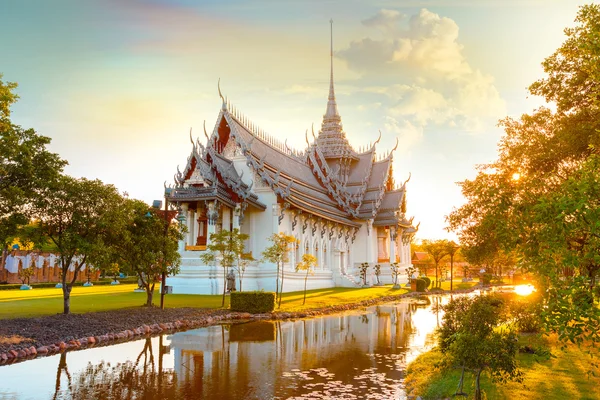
257,359
361,354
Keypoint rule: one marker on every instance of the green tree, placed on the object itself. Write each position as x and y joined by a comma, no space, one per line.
471,338
226,248
113,269
279,254
244,260
437,249
540,198
308,263
26,169
78,215
25,274
146,245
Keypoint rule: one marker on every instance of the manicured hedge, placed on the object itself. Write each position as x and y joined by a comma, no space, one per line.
421,285
486,278
253,302
427,281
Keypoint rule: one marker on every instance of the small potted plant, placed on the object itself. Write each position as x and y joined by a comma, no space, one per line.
113,270
377,274
410,273
395,272
89,270
364,267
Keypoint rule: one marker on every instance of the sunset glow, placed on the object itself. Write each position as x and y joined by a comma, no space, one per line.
524,290
118,85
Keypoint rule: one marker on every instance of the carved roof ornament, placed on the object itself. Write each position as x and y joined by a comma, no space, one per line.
205,133
224,106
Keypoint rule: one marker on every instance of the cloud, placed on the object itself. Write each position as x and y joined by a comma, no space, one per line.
407,133
433,81
385,19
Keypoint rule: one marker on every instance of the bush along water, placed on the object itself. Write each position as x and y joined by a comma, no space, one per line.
253,302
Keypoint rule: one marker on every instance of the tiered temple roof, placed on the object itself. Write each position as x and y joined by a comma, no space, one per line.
329,179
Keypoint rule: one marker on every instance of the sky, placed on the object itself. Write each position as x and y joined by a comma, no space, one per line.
118,84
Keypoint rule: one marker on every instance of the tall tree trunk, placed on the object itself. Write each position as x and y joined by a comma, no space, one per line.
149,294
66,288
436,276
224,286
281,292
305,279
477,385
277,282
4,256
451,272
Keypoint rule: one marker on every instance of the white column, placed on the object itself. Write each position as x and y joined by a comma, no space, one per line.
236,217
369,241
184,211
196,226
225,217
190,227
212,221
392,246
276,212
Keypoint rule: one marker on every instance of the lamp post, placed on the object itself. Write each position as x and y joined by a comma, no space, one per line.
163,280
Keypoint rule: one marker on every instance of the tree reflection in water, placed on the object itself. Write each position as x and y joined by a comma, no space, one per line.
360,354
139,379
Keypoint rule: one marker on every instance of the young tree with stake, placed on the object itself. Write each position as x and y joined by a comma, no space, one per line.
226,248
308,263
279,254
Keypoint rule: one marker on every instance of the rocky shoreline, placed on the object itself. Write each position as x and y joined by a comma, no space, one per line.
26,338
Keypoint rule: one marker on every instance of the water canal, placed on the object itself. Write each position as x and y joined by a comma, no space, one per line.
355,355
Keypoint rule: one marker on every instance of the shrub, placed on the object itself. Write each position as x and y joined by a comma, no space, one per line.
486,279
427,281
525,312
253,302
421,285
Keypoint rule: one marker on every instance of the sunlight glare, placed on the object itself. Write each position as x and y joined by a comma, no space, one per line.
524,290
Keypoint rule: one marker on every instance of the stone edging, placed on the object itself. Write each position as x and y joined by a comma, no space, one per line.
32,352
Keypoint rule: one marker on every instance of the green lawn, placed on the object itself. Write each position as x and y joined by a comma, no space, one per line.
39,302
564,376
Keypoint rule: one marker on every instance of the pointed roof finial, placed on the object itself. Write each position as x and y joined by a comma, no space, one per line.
332,110
332,140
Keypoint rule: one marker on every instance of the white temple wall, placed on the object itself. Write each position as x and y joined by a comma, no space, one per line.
337,259
364,248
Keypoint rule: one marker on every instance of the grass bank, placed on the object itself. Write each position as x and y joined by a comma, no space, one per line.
42,302
564,375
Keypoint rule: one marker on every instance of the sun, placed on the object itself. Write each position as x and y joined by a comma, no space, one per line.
516,176
524,290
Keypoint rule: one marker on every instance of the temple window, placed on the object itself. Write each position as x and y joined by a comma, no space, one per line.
202,227
383,245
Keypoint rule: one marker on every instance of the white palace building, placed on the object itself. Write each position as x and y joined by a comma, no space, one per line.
340,204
